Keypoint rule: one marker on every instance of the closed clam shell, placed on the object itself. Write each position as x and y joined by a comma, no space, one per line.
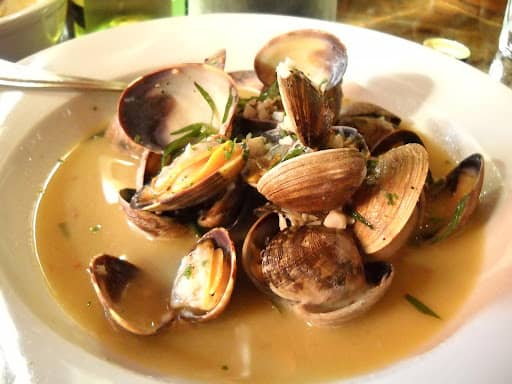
388,203
316,181
313,265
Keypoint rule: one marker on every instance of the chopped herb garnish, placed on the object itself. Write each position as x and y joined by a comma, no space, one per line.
358,217
89,303
227,107
293,152
95,228
64,229
455,220
371,164
421,306
269,93
207,97
224,367
188,271
230,147
60,161
137,139
193,131
391,197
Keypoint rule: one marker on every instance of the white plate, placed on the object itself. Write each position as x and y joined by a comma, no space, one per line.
461,106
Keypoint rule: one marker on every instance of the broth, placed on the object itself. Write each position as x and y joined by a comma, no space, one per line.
78,217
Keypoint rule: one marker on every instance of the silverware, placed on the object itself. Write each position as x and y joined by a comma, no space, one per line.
18,75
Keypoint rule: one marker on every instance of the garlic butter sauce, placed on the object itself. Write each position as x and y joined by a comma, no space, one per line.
253,341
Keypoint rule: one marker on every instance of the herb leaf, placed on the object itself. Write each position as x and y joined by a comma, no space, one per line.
454,221
188,271
227,107
95,228
207,97
269,93
358,217
64,229
192,131
228,152
421,306
391,197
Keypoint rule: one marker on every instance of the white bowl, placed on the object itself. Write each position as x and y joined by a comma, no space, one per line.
31,29
461,106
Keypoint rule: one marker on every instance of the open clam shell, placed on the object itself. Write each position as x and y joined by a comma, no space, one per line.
309,113
150,222
316,181
320,55
141,304
199,174
372,121
389,201
132,300
162,102
451,202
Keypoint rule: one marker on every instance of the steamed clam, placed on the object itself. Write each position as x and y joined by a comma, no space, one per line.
142,304
317,271
345,188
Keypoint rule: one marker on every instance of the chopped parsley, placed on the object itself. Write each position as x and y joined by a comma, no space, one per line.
228,106
207,97
228,152
137,139
196,131
95,228
188,271
358,217
421,307
454,221
64,229
391,197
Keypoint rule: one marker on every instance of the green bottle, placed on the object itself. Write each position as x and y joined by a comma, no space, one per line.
94,15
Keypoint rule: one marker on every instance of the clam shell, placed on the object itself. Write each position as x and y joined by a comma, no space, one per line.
149,222
209,187
140,303
316,181
222,240
389,203
320,55
157,104
452,201
111,277
379,276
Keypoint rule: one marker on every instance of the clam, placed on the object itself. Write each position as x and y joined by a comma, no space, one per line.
142,304
156,225
317,271
315,182
201,172
322,57
372,121
386,204
451,201
395,139
157,105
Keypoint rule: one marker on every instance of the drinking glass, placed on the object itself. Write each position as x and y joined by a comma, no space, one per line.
505,43
321,9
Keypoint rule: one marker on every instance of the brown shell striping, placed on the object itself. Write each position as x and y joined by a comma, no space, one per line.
316,181
389,203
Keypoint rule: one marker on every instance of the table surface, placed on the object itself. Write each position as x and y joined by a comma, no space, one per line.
475,23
